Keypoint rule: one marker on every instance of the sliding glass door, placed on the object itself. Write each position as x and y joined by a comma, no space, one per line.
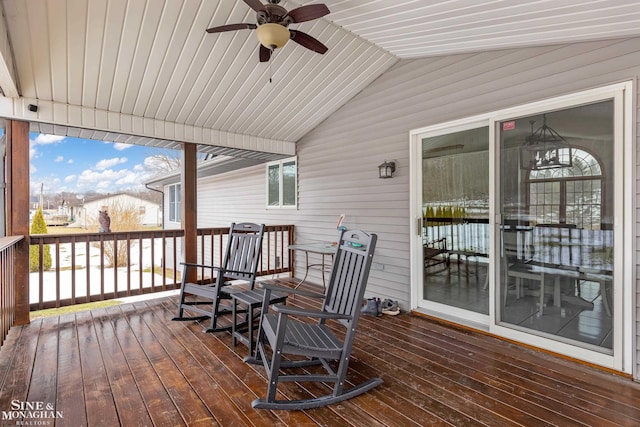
557,206
520,219
454,228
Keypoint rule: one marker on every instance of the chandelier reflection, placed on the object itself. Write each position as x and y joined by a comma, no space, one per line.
545,149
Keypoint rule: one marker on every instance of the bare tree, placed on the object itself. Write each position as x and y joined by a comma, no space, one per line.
167,161
124,217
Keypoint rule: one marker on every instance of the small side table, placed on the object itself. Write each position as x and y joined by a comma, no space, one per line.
252,299
326,251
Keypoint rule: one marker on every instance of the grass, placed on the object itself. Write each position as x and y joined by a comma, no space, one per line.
168,272
78,267
72,309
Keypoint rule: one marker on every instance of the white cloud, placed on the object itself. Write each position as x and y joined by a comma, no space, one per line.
121,146
70,178
53,183
109,180
44,139
107,163
90,179
59,159
70,161
133,179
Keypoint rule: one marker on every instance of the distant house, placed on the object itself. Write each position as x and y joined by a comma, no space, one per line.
209,210
54,214
150,212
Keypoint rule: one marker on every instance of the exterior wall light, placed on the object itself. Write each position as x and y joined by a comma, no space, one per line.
386,169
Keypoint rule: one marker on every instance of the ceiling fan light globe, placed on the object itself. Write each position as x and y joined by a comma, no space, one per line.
272,36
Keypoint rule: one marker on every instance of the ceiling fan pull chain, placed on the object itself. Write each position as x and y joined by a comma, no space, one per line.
270,56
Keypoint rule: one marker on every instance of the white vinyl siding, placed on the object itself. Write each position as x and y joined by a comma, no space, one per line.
338,161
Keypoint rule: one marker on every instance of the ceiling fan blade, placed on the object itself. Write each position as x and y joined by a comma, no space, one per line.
308,12
232,27
255,5
307,41
265,54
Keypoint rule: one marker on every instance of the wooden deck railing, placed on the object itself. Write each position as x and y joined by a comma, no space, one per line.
7,284
82,265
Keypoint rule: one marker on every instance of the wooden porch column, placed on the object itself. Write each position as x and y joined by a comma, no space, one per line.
17,211
189,198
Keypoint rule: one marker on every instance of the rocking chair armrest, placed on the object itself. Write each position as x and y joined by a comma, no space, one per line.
225,270
296,311
212,267
274,287
191,264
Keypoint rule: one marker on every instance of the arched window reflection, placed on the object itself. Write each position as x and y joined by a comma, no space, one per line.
568,195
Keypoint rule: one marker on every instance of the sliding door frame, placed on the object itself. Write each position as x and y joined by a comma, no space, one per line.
623,298
477,320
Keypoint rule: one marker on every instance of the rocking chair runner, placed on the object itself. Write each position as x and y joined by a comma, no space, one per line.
240,262
286,335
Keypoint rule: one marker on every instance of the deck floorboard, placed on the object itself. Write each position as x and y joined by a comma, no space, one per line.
131,365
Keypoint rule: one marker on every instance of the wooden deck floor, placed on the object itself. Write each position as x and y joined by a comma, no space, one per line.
131,365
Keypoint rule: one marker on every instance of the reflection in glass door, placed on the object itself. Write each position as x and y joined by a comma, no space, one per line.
556,231
455,219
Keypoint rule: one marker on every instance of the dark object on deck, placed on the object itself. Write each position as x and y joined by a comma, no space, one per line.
287,336
240,262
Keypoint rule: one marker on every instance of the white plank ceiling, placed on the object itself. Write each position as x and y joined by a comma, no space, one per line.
152,59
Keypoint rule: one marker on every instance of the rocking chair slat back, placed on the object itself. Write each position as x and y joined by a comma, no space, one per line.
346,287
243,252
240,262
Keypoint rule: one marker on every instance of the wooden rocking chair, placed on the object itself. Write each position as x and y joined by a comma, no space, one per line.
288,336
240,262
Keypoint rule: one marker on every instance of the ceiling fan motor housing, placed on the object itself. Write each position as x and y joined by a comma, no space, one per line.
272,13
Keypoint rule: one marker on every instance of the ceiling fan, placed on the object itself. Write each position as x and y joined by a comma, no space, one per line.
273,21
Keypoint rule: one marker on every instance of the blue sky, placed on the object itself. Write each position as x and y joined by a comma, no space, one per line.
82,165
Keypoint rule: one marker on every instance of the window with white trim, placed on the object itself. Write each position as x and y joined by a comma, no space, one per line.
174,202
282,184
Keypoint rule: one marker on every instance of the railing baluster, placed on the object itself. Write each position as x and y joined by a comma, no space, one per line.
101,267
73,270
175,256
57,284
164,260
115,266
153,262
87,255
41,275
128,240
140,251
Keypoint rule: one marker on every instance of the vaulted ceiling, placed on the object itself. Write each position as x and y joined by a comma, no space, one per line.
145,71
